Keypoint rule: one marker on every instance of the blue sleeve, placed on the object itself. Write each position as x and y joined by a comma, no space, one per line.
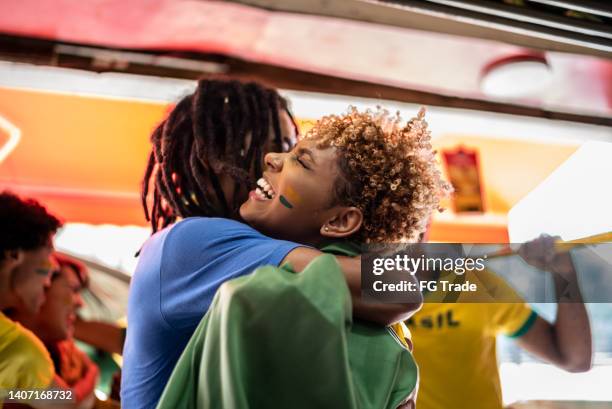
200,254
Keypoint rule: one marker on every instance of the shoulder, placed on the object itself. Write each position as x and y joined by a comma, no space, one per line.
198,227
493,287
197,235
28,355
192,236
211,227
29,346
506,310
208,244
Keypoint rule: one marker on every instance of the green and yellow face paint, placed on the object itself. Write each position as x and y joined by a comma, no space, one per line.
47,268
290,198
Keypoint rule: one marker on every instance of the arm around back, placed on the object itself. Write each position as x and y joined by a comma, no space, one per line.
380,313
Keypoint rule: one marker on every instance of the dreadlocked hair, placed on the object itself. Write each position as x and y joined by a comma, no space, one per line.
388,171
204,136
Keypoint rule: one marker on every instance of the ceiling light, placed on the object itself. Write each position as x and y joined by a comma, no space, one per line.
517,75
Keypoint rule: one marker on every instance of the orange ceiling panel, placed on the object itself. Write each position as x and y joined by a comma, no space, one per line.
83,156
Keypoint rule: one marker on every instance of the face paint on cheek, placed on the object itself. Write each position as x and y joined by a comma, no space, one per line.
285,202
290,197
45,269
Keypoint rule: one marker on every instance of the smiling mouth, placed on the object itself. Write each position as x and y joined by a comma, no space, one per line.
264,190
70,319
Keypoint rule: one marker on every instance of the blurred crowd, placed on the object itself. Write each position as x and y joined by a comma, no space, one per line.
40,293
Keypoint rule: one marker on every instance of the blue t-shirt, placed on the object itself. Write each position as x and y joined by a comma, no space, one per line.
179,271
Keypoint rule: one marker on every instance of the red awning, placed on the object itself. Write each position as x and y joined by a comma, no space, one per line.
400,57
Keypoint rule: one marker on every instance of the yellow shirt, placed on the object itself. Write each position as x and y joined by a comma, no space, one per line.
24,361
402,334
455,346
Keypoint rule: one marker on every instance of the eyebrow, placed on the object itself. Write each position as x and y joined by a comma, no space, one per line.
305,151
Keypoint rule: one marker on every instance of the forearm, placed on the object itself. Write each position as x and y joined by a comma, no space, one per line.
380,313
572,331
566,342
101,335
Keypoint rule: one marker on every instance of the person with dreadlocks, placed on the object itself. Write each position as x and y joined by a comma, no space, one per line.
209,149
277,339
205,155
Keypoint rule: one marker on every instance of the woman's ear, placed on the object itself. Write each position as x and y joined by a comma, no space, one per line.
344,223
13,258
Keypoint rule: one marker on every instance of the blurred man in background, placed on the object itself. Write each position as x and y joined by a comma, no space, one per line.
54,325
26,265
26,245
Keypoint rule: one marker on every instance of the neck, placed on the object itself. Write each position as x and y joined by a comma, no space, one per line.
322,241
326,241
316,241
8,299
4,290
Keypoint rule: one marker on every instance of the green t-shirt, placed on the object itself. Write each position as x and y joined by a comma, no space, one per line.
279,339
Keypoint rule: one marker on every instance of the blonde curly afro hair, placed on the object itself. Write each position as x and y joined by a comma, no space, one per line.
387,170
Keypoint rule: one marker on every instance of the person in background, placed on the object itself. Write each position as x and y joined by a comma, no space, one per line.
456,342
26,247
54,326
105,336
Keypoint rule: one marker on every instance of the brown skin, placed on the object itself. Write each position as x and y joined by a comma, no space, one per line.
54,323
101,335
8,264
310,173
55,320
28,279
289,138
24,275
567,342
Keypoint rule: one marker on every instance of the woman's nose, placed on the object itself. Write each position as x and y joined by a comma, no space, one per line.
274,161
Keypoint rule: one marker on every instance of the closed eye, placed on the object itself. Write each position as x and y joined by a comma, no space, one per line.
300,161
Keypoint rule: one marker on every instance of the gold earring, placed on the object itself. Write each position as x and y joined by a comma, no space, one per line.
326,228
